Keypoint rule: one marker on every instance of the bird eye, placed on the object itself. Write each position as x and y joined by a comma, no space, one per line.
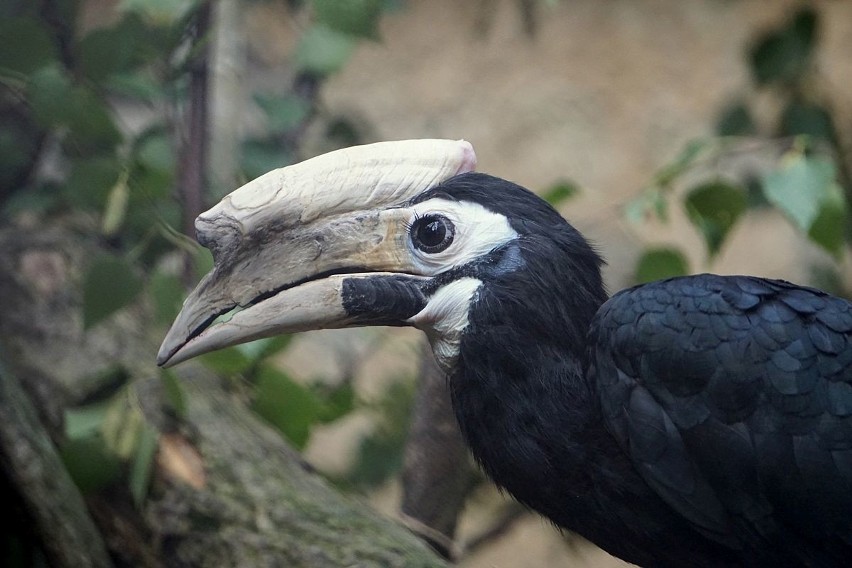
432,233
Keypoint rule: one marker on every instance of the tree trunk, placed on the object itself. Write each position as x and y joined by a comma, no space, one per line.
226,490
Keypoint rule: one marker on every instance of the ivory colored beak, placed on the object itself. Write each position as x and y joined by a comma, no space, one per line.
286,244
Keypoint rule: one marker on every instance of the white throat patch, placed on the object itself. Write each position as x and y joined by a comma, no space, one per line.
445,318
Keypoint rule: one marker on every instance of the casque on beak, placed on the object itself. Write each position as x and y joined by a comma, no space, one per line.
320,244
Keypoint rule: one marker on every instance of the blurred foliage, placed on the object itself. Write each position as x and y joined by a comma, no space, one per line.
289,406
380,454
107,441
659,263
809,183
713,208
69,153
66,149
110,285
560,191
324,47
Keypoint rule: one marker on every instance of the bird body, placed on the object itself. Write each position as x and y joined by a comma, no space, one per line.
733,398
645,444
705,401
696,421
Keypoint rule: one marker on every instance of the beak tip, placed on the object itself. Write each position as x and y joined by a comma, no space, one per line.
169,351
163,358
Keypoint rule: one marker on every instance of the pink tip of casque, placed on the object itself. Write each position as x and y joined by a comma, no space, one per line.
468,163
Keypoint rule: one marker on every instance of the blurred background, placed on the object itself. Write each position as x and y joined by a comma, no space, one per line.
678,136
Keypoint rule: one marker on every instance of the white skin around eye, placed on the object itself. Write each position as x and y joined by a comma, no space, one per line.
477,232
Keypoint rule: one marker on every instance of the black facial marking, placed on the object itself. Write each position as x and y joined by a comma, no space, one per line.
383,300
501,261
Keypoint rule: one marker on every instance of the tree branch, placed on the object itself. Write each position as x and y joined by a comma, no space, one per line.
438,473
35,471
228,491
193,160
255,502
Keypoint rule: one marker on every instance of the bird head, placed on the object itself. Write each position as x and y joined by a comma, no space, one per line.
394,233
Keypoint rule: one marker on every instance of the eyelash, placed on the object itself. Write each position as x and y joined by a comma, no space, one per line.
409,224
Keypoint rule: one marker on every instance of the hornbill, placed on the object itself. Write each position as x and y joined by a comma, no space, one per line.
696,421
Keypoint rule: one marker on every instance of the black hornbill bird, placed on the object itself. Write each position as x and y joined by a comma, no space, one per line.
696,421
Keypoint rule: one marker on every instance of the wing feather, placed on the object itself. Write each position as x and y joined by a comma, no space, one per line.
733,398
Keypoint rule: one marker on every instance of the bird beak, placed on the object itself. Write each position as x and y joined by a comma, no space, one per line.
320,244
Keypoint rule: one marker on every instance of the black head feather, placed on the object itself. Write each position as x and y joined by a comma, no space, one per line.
548,281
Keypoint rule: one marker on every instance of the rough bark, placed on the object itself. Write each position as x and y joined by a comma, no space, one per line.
53,504
438,473
194,146
227,490
259,504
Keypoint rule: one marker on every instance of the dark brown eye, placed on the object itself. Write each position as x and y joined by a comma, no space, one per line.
432,233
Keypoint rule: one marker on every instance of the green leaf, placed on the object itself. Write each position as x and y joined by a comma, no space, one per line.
561,191
143,460
227,362
122,426
19,146
283,114
828,229
290,407
167,292
151,178
784,55
261,349
339,402
157,152
203,261
714,208
342,131
92,129
39,198
379,458
274,345
57,101
110,284
48,93
659,263
90,463
16,8
142,229
175,395
799,187
27,46
140,85
380,454
159,12
91,181
735,120
262,155
358,18
322,50
85,421
808,119
116,207
107,51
